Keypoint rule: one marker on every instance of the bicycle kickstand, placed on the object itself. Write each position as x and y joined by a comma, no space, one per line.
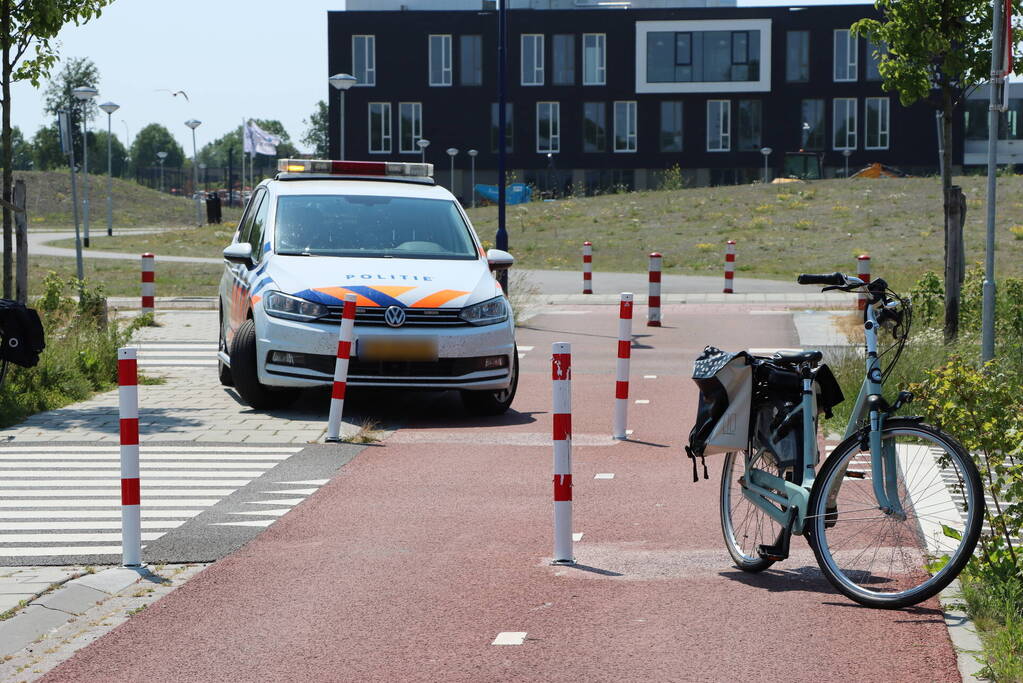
779,550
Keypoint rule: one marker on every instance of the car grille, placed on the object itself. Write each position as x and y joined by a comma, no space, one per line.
443,367
414,317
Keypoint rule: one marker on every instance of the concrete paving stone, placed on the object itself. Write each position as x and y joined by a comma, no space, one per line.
32,622
10,601
71,598
26,589
111,580
50,574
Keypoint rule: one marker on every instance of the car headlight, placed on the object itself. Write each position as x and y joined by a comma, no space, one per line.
487,312
281,305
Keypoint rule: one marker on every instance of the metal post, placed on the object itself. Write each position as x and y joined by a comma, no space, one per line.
994,108
341,135
64,125
110,181
621,410
128,390
561,375
195,181
502,124
85,175
344,349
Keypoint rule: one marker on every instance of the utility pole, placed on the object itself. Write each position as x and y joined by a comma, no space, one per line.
502,123
995,107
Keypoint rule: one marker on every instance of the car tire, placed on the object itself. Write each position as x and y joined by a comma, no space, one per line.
493,402
223,370
243,371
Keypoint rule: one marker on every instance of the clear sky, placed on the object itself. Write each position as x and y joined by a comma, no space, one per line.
234,59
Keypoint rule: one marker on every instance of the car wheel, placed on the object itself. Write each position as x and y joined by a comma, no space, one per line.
223,370
493,402
243,371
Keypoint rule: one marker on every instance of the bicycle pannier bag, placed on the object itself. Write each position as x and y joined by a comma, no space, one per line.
723,415
21,334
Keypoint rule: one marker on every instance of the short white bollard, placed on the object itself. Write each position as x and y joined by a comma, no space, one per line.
729,267
653,306
344,352
863,272
587,267
622,366
131,516
561,376
148,283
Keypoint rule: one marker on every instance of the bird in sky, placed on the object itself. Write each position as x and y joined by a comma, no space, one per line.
174,93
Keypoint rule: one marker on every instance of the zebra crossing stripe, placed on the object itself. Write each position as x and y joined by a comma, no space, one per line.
247,522
87,526
96,514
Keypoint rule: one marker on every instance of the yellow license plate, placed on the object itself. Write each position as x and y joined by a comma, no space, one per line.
397,348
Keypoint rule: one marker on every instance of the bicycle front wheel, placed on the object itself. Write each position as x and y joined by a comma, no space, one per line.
744,525
893,558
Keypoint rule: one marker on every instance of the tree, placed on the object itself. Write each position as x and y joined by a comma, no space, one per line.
98,154
152,139
934,51
28,29
21,151
215,154
316,133
46,152
77,73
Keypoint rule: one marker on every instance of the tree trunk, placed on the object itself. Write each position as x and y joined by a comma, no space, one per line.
955,258
8,153
21,235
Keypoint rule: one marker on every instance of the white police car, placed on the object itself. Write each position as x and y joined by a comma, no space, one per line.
430,314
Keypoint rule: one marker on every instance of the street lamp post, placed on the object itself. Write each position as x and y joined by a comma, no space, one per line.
110,108
766,151
847,153
806,135
84,94
451,153
205,179
342,82
193,124
423,143
161,156
472,177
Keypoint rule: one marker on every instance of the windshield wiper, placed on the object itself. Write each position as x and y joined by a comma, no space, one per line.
296,253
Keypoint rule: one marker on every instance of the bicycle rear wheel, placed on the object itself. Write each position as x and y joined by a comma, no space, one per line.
744,525
882,559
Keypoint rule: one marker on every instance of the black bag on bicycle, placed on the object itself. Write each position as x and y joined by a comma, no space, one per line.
723,414
21,334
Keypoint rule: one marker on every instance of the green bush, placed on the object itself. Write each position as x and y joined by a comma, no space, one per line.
80,356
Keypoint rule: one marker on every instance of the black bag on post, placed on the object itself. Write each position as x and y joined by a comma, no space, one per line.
21,334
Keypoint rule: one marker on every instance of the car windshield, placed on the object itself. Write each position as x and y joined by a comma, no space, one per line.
370,226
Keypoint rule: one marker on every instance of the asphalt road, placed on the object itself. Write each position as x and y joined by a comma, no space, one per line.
423,552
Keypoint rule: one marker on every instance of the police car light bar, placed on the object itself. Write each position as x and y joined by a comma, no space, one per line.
362,168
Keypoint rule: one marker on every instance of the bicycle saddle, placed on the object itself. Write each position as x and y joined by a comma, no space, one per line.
797,357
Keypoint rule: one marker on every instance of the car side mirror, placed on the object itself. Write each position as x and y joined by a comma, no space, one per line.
239,252
499,260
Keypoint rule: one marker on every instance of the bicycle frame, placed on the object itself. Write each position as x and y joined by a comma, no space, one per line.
789,509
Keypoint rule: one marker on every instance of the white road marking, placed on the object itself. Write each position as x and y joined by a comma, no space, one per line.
510,638
577,536
307,482
229,466
57,526
628,432
107,491
292,492
72,538
110,502
526,348
57,447
158,475
770,312
147,456
604,475
642,401
247,522
94,514
59,551
284,501
649,376
12,483
263,513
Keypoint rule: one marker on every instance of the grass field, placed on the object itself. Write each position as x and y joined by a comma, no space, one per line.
780,229
121,278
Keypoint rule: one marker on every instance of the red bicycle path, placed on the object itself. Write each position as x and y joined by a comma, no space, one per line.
408,564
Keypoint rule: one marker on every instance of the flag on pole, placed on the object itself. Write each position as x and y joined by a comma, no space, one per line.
258,141
1008,38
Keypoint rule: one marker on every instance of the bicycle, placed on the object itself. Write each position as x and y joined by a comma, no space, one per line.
893,514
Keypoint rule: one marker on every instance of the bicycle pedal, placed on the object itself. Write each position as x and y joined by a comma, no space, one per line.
772,553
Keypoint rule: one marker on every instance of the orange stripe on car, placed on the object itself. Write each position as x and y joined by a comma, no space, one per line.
438,299
393,291
339,293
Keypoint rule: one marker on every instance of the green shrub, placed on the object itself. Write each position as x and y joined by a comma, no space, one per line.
80,356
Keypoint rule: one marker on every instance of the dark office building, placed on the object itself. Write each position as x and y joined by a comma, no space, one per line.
601,96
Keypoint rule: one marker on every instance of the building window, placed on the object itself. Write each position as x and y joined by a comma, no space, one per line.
625,126
719,125
440,60
594,59
671,127
563,47
532,59
797,56
749,124
594,127
380,127
845,55
548,127
703,56
364,60
874,53
812,125
877,123
495,127
410,126
844,122
470,49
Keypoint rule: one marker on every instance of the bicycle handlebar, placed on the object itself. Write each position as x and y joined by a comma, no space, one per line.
836,279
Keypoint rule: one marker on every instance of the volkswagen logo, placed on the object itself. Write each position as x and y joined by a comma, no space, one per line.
394,316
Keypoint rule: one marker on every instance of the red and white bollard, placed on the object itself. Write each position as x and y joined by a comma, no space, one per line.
729,266
344,353
131,516
622,366
863,271
587,267
148,283
561,381
653,307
